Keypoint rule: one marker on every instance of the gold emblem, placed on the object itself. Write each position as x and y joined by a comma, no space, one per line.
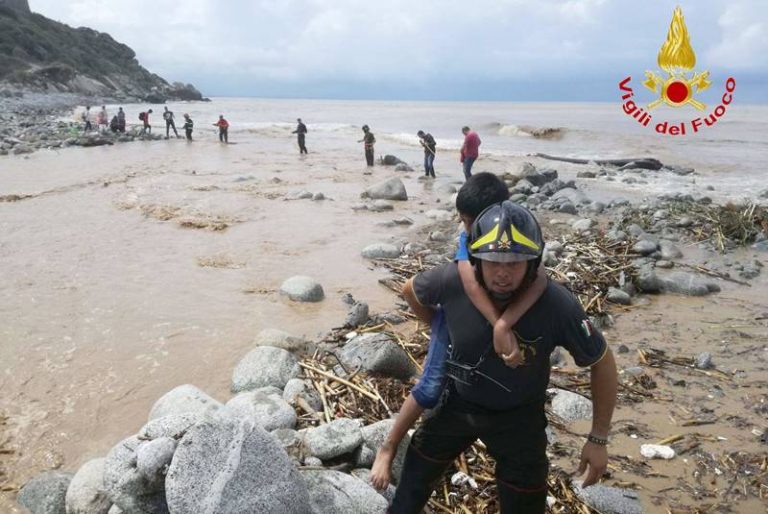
677,58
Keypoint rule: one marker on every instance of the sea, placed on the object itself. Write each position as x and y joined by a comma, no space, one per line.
729,156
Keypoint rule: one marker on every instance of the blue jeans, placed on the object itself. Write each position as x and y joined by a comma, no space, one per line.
468,162
429,164
429,389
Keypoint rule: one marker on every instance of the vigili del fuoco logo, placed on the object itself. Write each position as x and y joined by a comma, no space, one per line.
677,86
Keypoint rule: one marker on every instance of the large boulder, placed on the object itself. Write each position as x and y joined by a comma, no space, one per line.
392,189
381,251
332,439
46,493
154,457
264,366
172,425
266,409
302,289
233,465
86,494
378,353
611,500
181,400
334,492
298,388
126,486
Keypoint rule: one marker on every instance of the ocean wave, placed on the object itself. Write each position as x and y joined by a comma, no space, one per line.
528,131
408,139
279,129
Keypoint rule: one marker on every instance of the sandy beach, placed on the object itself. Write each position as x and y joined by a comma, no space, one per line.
131,269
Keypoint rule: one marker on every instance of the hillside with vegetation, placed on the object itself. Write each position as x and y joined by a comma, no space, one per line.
41,55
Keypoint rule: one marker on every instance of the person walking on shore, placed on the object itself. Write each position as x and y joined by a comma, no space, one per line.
120,120
301,132
223,129
487,400
146,128
429,144
188,125
169,124
470,150
86,116
368,141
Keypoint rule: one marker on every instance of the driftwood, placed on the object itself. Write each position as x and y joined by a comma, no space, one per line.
655,163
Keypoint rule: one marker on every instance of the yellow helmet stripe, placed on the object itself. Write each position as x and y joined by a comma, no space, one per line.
488,238
518,237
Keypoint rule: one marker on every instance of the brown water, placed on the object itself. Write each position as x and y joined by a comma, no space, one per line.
107,301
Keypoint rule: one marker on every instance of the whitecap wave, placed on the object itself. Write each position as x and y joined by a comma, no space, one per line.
511,130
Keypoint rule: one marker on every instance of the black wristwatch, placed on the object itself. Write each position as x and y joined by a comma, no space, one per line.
597,440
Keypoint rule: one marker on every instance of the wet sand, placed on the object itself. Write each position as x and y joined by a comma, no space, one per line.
132,269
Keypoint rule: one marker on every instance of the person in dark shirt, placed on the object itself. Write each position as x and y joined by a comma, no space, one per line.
487,400
429,144
368,141
188,126
301,132
120,120
169,124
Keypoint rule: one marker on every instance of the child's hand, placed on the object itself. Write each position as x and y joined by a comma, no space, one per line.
380,471
505,345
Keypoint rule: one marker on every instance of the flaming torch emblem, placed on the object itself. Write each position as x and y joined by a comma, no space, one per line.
677,58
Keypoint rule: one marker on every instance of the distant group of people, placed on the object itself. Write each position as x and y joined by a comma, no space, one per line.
118,124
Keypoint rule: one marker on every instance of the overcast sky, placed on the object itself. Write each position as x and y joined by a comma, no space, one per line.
430,49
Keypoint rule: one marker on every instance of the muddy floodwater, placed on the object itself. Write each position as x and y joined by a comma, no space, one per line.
128,270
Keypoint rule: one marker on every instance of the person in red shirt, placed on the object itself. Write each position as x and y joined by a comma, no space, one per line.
223,129
470,150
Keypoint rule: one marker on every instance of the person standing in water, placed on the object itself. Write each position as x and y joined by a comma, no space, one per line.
223,129
301,132
430,146
169,123
368,141
120,120
188,125
470,150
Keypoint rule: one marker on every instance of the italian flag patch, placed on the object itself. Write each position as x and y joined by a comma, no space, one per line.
587,328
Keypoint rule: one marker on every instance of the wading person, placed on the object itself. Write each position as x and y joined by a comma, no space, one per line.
470,150
223,129
169,124
301,132
368,141
487,400
120,120
144,117
430,146
188,126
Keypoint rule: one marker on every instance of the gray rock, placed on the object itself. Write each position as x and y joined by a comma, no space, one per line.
441,237
596,207
46,493
575,196
302,289
669,251
439,215
570,406
181,400
297,387
664,264
300,195
115,510
357,315
586,174
616,235
648,282
555,247
634,370
704,360
381,206
644,247
313,461
611,500
391,160
403,221
264,366
374,436
268,410
392,189
761,246
635,230
153,459
446,189
229,465
377,353
403,167
622,349
318,196
281,339
334,492
618,296
381,251
549,258
126,486
568,208
688,284
364,474
86,494
332,439
172,425
582,225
